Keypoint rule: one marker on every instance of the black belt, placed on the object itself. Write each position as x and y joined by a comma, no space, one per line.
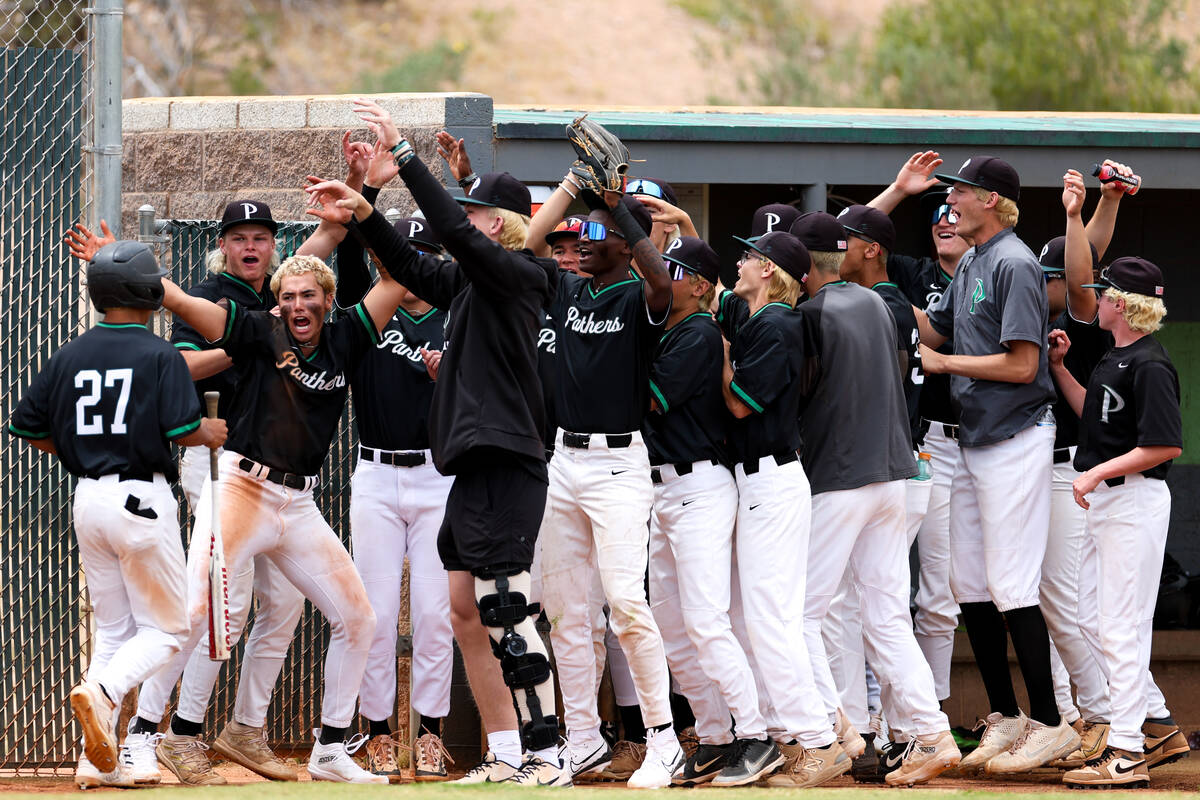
1062,455
123,476
787,457
394,458
288,479
1112,483
582,440
682,468
549,453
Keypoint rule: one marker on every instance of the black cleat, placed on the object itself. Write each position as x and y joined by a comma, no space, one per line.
705,764
752,759
865,768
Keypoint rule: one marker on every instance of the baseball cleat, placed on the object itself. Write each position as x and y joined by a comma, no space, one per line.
1039,744
537,771
848,736
247,746
1164,742
185,756
381,757
865,768
88,777
431,758
332,762
626,758
999,733
664,757
803,768
94,712
586,757
704,765
1114,769
490,770
137,755
750,760
1093,736
924,759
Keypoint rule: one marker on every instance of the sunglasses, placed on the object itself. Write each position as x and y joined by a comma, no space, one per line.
1050,276
945,211
643,186
750,255
596,231
677,271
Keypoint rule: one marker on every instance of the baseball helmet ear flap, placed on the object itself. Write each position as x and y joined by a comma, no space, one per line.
125,274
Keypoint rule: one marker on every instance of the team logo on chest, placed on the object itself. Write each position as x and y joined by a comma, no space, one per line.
290,363
589,324
977,296
395,340
1112,402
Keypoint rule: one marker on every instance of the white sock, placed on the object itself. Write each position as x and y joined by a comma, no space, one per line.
506,746
547,754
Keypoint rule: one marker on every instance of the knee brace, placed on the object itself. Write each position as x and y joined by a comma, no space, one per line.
523,662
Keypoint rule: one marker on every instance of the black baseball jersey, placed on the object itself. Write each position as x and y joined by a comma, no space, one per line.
185,337
547,369
853,417
110,400
923,282
731,312
287,405
691,420
1132,401
392,389
1089,343
907,339
767,356
604,342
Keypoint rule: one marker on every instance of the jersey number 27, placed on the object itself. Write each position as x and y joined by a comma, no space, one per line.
92,381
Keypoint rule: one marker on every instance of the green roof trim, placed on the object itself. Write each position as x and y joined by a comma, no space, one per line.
870,126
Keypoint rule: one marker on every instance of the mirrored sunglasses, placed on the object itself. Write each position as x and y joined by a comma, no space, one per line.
642,186
945,211
596,231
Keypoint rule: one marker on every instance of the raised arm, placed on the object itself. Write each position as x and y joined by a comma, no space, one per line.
913,178
647,261
664,212
208,318
549,215
1104,220
1077,256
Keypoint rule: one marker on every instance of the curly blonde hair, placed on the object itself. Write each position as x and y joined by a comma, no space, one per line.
1142,313
1006,209
302,265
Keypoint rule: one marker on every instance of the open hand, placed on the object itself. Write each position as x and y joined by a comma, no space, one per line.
454,151
1073,193
332,201
83,242
357,155
378,120
916,174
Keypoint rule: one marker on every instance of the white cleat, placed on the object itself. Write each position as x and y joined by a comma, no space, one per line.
664,757
490,770
999,733
94,713
537,771
332,762
138,756
1039,744
88,777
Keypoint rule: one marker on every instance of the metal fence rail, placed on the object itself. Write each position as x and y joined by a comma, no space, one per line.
45,172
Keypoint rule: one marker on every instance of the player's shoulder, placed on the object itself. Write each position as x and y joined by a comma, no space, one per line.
208,288
699,329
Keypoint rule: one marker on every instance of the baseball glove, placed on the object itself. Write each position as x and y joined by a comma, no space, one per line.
603,160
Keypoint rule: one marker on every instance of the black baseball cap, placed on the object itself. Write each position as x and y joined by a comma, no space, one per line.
1131,274
820,232
772,217
499,190
694,255
869,223
640,213
567,229
989,173
1054,252
932,200
248,212
419,231
652,187
786,250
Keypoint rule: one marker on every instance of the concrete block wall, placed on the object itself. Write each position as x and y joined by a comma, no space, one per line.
189,157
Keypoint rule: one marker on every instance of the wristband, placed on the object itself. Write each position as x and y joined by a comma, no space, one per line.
402,153
467,180
563,186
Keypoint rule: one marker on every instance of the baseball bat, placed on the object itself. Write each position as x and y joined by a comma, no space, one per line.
218,583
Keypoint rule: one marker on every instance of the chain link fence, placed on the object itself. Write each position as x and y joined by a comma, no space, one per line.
46,165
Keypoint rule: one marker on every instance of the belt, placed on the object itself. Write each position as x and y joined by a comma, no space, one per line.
681,469
787,457
1062,455
123,476
582,440
549,453
1112,483
395,458
288,479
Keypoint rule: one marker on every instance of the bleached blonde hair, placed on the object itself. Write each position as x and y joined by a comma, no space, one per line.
828,263
516,228
215,261
706,300
782,288
1005,209
1142,313
302,265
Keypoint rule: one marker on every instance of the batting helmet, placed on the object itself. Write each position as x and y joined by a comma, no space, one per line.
125,275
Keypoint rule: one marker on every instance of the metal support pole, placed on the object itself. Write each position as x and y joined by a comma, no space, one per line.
814,197
107,107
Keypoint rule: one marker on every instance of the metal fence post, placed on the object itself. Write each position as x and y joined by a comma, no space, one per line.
107,100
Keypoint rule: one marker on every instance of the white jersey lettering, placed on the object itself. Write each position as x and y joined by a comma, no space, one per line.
590,325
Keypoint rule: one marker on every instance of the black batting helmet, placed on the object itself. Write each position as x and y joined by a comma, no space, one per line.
125,275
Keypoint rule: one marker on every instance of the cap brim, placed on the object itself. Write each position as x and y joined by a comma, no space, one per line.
1053,269
554,236
688,267
1097,286
266,223
471,202
860,233
953,179
751,244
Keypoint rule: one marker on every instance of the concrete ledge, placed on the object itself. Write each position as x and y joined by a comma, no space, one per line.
145,114
280,112
206,113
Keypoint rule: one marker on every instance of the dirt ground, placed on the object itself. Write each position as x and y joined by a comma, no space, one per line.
1182,776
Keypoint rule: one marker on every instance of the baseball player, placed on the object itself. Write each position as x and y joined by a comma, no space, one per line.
923,281
106,404
1130,429
691,532
600,490
397,502
999,514
858,500
772,217
761,382
492,293
292,382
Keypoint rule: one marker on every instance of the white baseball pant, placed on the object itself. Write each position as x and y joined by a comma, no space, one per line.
1062,585
597,506
1128,524
937,613
1000,519
773,523
397,512
259,517
136,579
862,530
691,550
276,614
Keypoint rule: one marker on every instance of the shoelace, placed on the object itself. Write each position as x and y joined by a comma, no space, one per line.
142,756
432,747
355,742
482,766
192,754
